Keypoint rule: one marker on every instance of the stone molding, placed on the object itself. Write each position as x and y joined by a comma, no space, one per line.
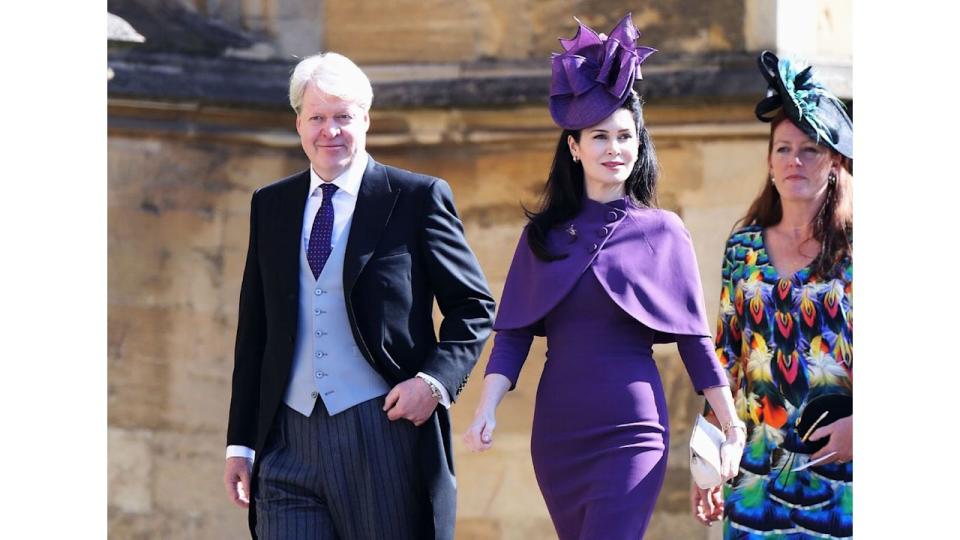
241,83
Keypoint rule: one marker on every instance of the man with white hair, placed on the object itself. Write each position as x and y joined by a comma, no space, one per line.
334,428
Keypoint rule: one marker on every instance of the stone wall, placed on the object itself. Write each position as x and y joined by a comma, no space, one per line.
414,31
429,31
177,213
465,31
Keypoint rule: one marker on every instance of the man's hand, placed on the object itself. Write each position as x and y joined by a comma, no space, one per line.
237,475
411,399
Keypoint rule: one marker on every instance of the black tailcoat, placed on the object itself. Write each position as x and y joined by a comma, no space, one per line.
405,248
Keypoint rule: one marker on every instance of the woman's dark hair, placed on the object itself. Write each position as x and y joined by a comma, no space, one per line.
833,224
563,193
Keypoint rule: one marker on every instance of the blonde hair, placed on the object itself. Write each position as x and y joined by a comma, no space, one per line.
333,74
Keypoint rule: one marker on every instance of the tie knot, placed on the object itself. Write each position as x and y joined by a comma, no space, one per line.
328,189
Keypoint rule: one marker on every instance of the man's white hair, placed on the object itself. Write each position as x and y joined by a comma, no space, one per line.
333,74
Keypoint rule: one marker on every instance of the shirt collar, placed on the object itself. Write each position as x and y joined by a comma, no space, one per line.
349,180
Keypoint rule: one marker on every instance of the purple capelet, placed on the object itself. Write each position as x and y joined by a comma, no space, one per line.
642,257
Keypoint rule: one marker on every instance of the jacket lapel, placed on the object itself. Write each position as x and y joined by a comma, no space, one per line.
375,202
289,226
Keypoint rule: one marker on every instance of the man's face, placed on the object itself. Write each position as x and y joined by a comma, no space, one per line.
332,131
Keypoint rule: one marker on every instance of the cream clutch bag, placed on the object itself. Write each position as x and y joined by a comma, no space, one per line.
705,442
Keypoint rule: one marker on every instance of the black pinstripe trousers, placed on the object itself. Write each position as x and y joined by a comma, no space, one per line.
352,476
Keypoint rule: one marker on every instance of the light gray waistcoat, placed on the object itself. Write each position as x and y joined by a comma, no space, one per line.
326,361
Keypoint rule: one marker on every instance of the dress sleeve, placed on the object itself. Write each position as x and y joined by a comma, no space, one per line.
728,338
510,348
701,362
460,290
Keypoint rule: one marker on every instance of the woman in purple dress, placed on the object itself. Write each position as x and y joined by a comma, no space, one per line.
603,275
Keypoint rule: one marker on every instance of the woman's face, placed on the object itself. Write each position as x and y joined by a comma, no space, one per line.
608,150
799,166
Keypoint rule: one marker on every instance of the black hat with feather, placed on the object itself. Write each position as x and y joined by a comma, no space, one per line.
804,100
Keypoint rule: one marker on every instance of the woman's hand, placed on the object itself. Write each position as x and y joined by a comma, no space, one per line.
725,414
479,436
706,504
841,441
730,453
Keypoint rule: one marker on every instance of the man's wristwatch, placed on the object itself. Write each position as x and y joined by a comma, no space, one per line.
434,389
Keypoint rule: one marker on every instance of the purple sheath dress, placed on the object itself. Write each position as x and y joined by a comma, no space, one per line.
600,428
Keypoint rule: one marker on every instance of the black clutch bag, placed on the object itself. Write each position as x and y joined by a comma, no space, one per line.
819,412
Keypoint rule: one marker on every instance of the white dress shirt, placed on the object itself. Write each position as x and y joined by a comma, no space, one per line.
344,203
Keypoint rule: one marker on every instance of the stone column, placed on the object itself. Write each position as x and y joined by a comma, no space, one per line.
818,30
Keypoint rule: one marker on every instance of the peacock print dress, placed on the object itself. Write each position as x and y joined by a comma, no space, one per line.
784,341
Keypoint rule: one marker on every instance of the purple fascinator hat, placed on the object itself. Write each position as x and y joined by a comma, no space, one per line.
594,74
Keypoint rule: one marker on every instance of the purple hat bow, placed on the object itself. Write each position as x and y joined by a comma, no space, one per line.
592,65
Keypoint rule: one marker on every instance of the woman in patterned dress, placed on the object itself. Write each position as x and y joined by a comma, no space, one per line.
785,329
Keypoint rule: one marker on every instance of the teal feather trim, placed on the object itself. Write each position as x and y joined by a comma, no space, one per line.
806,92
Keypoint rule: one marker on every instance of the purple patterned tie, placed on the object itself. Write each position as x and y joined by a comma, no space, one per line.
318,250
